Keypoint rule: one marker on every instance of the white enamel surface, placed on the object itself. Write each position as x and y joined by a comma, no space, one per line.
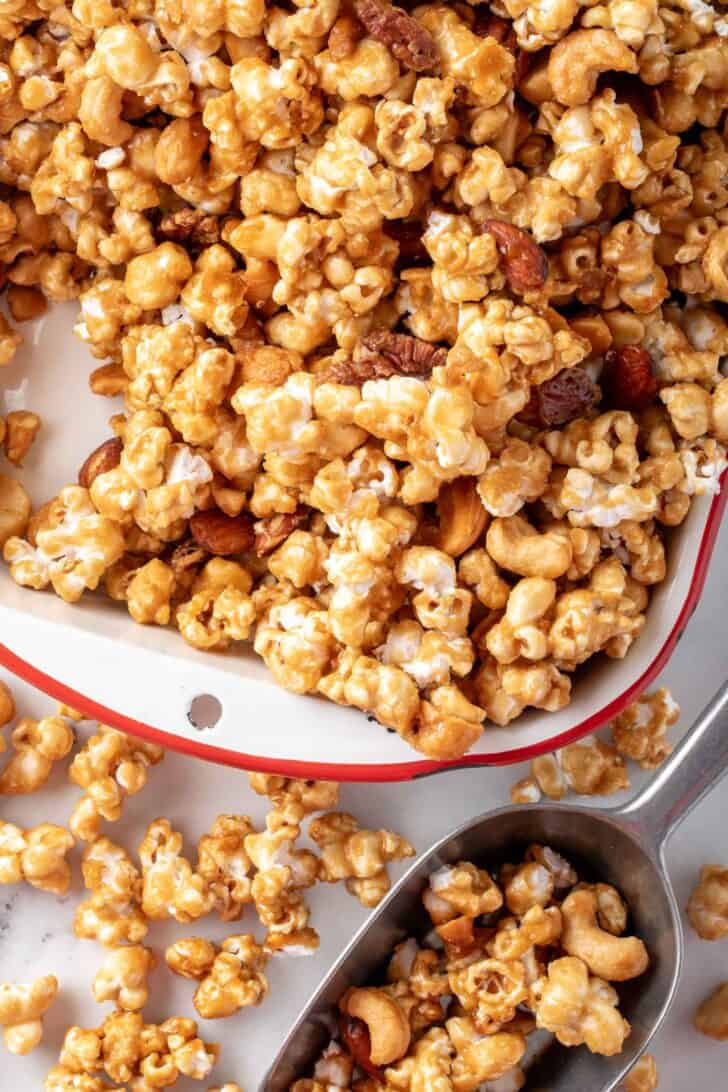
150,675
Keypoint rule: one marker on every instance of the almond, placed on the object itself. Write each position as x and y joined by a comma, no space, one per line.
220,534
462,517
106,457
524,263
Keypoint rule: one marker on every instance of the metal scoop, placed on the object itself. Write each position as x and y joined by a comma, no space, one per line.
622,846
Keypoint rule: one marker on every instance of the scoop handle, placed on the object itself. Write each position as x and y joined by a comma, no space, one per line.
694,768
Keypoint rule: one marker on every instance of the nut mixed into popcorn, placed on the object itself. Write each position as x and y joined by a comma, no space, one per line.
415,316
456,1010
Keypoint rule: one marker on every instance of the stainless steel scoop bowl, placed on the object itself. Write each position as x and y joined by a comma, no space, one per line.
623,846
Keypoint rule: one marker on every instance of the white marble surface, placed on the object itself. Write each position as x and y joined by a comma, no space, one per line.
35,928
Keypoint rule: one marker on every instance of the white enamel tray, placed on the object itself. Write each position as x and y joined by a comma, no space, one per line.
144,679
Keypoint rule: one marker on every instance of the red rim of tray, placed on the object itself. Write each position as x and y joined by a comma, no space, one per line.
391,771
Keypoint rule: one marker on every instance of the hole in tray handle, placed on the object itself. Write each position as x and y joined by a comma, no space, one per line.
204,712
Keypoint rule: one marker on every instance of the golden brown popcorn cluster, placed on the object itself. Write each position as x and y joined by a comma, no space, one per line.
593,767
455,1011
21,1010
413,314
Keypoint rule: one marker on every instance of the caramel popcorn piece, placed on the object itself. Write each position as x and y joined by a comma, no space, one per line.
15,509
461,889
358,856
7,705
639,730
588,768
74,546
231,976
110,767
37,746
711,1018
642,1077
112,914
170,886
311,796
21,429
130,1051
21,1011
37,855
10,340
122,978
282,874
580,1009
707,907
224,864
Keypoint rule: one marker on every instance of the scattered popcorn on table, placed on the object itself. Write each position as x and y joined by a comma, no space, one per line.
642,1077
37,855
281,791
130,1051
589,767
110,767
122,977
170,886
112,914
37,746
357,856
707,906
223,862
21,1011
711,1018
230,976
639,730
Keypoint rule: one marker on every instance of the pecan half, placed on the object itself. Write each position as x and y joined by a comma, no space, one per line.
106,457
382,354
221,534
628,379
193,226
564,398
410,43
407,234
355,1037
273,530
524,263
187,555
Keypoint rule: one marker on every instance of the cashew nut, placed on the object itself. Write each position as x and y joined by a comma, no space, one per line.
462,517
615,959
100,112
517,546
577,61
388,1026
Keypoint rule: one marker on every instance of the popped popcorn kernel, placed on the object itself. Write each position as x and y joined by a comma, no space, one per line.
21,1011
